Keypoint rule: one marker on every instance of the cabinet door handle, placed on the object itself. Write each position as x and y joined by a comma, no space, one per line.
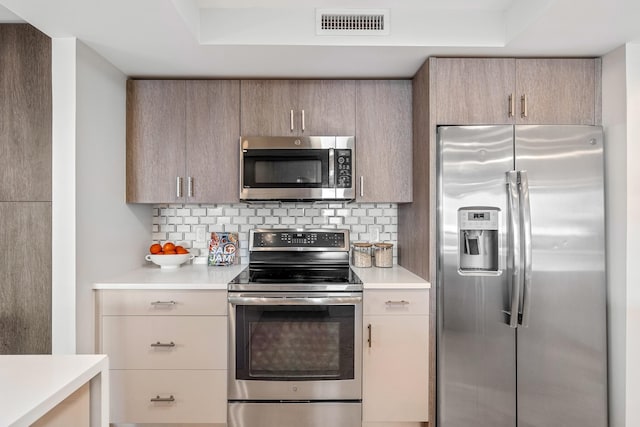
302,120
523,106
190,186
163,399
361,186
369,338
512,104
291,120
163,303
401,302
163,344
178,187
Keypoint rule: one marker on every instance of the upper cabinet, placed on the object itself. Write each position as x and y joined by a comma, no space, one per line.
516,91
183,135
475,90
557,91
25,114
384,141
298,107
213,141
182,141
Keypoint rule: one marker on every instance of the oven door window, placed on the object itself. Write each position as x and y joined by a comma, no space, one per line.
286,168
295,342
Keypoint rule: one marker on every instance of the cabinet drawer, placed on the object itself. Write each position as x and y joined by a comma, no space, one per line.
199,342
199,396
409,302
163,302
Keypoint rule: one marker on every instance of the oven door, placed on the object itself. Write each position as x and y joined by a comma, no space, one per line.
296,347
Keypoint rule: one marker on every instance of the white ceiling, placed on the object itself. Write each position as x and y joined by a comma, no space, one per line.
276,38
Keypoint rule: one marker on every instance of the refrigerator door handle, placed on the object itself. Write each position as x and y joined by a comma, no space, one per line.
525,211
514,246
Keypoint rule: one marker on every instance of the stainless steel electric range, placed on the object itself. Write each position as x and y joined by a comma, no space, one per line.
295,332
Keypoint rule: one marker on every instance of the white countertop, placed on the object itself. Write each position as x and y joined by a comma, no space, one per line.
191,276
195,276
395,277
32,385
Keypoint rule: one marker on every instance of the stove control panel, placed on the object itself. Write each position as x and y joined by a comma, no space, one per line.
298,239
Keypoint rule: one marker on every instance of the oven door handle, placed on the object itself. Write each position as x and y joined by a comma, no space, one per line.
295,300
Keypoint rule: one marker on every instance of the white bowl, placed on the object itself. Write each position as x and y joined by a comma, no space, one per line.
169,261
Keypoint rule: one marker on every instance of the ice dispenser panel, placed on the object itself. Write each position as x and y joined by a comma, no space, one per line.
478,245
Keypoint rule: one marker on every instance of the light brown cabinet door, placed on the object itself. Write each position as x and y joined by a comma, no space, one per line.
25,278
25,114
297,107
156,118
475,91
326,107
383,141
268,107
558,91
212,138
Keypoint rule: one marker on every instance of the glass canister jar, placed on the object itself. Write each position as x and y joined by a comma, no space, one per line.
383,254
361,254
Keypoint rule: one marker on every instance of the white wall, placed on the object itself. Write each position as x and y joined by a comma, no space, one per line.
95,234
633,236
621,109
111,236
63,246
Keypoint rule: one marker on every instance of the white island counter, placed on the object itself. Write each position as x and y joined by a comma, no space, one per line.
32,386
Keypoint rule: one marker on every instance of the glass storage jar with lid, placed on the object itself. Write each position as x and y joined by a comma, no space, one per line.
383,254
361,254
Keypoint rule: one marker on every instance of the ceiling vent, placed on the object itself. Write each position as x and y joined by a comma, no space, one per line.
352,22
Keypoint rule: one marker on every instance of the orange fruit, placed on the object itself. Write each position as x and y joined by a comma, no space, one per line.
181,250
170,252
168,247
155,248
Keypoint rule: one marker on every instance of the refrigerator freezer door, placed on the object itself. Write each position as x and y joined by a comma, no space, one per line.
562,377
476,351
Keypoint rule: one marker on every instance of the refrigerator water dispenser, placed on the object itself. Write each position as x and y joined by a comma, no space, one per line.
478,241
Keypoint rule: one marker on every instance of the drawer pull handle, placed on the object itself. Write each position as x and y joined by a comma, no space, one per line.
163,344
163,399
163,303
401,302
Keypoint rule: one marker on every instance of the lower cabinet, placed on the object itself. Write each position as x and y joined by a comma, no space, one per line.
168,396
395,357
167,353
168,356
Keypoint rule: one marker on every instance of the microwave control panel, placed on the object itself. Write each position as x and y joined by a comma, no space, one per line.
343,168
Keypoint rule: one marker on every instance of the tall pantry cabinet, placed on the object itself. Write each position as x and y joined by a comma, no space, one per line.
25,194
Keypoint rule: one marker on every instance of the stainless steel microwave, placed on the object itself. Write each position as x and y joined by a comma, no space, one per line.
297,168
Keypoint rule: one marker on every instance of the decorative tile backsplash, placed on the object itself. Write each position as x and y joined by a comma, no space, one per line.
191,225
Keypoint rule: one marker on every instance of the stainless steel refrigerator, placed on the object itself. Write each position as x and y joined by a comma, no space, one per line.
521,277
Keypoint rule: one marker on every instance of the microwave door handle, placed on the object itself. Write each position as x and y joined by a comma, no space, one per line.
332,168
